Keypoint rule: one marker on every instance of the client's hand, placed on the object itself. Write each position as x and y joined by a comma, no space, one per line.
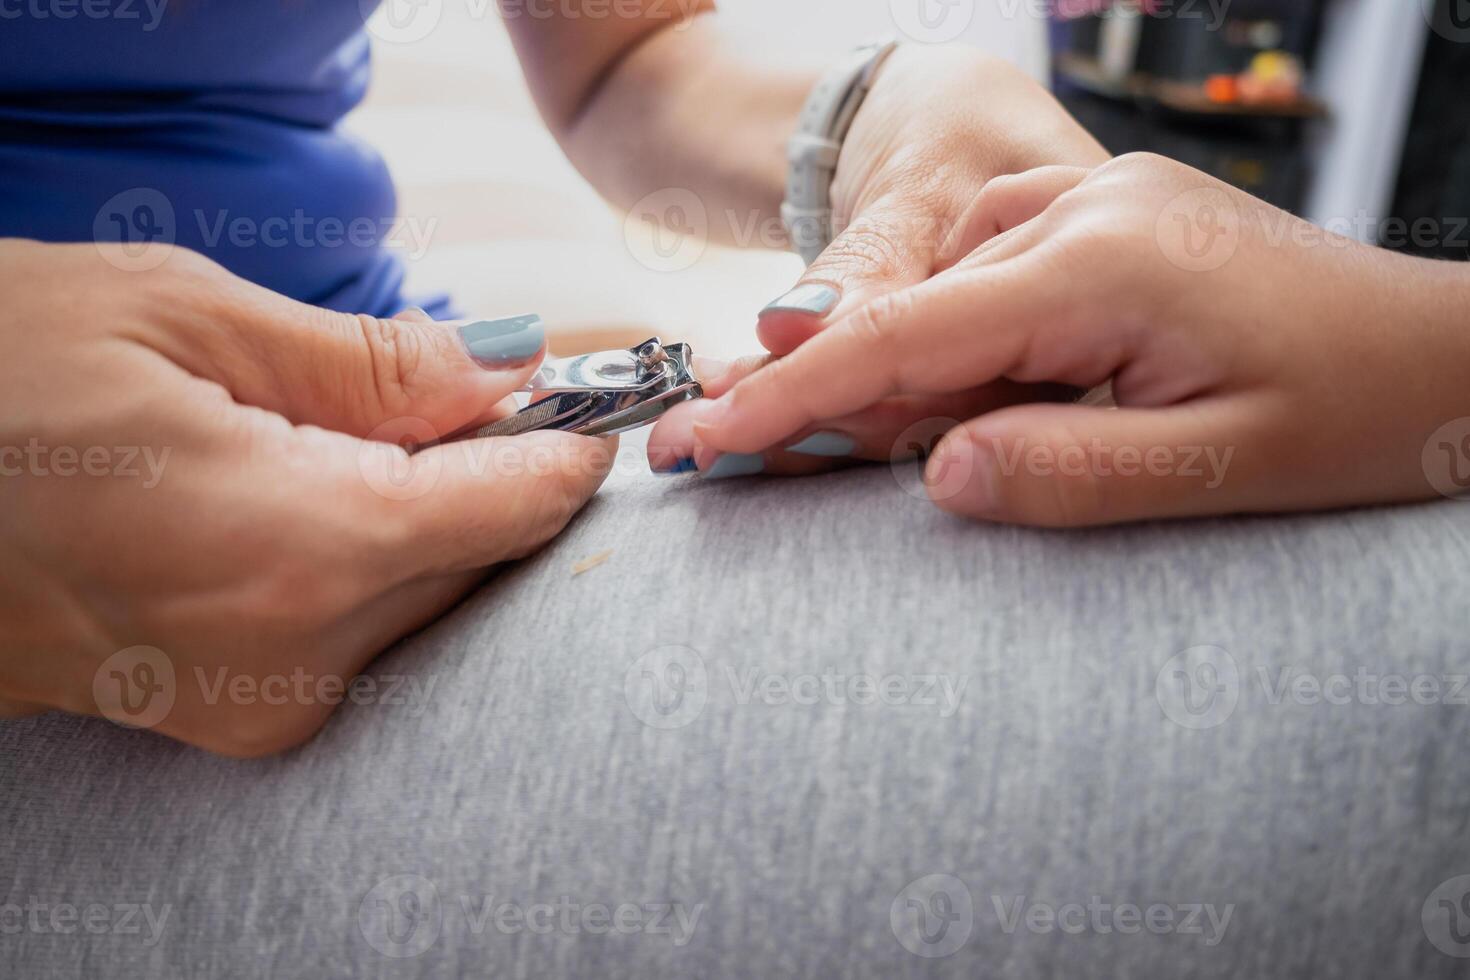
204,492
1260,364
938,125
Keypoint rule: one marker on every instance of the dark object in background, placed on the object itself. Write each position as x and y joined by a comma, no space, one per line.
1148,93
1432,199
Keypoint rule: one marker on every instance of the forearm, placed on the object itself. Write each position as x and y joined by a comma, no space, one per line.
657,103
688,111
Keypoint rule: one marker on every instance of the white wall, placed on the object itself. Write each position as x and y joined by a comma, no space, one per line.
1014,29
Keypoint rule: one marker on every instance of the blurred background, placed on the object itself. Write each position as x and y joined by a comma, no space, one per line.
1353,113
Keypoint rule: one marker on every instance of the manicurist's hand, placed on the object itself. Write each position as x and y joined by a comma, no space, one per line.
939,124
1259,363
204,483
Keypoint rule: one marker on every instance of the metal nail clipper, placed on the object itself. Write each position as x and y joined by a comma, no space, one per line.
604,393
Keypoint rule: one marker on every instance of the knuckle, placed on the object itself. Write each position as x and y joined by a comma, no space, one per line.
867,249
395,356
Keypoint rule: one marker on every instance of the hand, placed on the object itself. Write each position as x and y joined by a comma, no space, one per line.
197,465
1260,364
939,124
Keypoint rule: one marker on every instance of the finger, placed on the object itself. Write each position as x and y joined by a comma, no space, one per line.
1075,465
1006,203
344,372
671,440
957,331
475,503
896,428
888,247
415,314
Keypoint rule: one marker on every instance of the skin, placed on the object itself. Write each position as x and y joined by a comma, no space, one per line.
285,528
1317,369
277,538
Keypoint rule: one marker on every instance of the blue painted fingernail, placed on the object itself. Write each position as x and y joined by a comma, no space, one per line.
825,444
685,465
813,298
497,343
736,464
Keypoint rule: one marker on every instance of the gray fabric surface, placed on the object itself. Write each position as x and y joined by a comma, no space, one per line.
526,774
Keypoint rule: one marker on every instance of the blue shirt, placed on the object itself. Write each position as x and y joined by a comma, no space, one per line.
209,123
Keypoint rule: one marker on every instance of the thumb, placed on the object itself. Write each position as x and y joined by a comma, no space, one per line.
887,248
349,373
1077,465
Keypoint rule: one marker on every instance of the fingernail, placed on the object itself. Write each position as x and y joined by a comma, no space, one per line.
416,309
685,465
497,343
825,444
736,464
813,298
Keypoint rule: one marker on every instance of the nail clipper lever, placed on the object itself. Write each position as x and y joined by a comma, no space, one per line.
604,393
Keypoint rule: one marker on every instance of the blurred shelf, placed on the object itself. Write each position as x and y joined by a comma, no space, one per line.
1183,98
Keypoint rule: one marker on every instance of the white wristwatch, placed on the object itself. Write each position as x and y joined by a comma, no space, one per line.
812,153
